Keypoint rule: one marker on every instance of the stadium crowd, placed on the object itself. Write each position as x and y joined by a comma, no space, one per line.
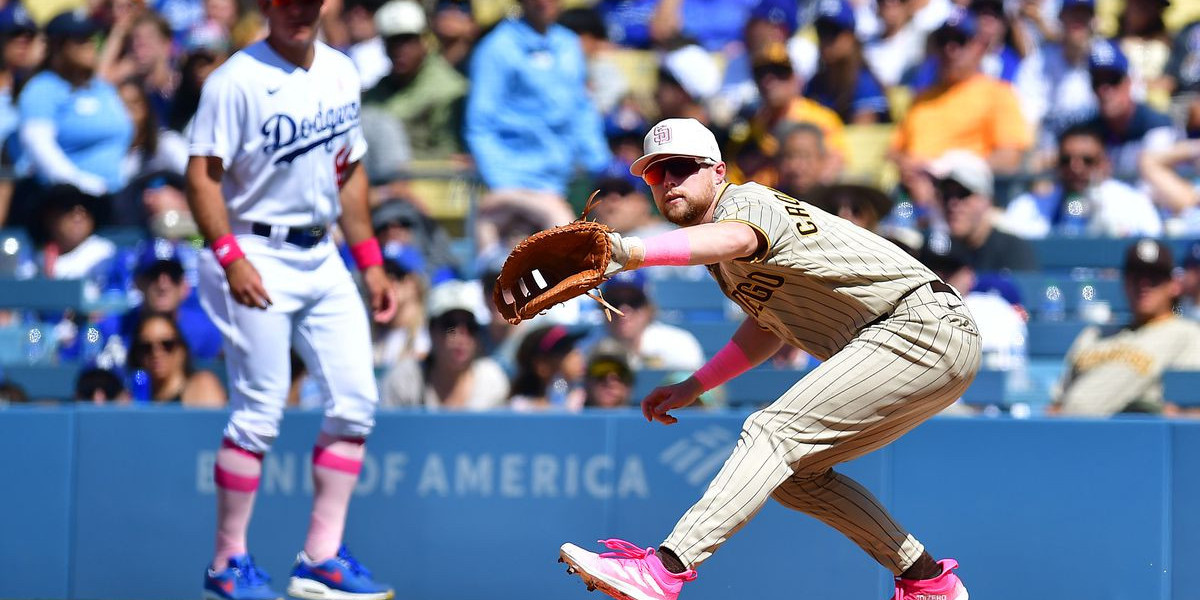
961,130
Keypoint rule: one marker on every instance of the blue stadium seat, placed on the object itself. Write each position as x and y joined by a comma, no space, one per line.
1052,339
12,347
989,388
1182,387
1066,253
755,387
712,335
45,381
1033,286
688,301
41,294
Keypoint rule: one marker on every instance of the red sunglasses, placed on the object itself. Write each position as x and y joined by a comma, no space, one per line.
680,168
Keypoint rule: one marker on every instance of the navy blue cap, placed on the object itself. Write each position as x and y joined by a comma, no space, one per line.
158,253
73,23
777,12
14,18
962,21
1089,4
836,12
1106,56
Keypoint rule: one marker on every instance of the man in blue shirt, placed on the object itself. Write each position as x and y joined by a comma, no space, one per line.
529,122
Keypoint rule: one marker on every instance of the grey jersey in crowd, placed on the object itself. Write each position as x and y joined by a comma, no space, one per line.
820,279
1109,372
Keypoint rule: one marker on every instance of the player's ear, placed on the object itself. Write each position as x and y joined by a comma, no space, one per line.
719,171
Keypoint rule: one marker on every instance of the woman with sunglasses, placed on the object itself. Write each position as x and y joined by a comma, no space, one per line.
159,350
897,347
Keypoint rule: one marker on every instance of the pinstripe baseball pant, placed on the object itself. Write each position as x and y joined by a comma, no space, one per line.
898,372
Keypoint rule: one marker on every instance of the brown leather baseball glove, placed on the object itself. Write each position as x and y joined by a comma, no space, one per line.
553,266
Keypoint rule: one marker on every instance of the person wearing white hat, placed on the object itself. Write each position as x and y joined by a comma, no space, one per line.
896,343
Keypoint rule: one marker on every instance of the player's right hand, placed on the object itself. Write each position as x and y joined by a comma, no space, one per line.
666,398
245,284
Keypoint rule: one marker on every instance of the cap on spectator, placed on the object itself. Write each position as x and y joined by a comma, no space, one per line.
1191,257
395,212
676,137
400,17
584,21
15,19
72,24
960,21
455,294
1000,284
1088,4
777,12
1106,56
626,288
774,54
987,7
965,167
1148,256
459,5
159,256
620,186
695,71
557,339
837,13
608,358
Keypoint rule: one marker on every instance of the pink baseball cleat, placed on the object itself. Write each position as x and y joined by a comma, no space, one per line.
946,586
629,573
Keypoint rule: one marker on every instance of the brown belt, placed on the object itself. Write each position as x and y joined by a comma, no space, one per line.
935,286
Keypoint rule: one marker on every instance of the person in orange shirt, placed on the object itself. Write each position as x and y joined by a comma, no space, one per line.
755,142
964,110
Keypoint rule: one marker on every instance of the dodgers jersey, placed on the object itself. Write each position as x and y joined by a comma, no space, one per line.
283,133
819,279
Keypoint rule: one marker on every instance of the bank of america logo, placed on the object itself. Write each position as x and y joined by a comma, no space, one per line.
698,456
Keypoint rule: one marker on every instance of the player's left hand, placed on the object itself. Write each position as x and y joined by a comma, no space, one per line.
666,398
381,294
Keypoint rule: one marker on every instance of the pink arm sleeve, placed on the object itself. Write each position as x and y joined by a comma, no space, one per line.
728,363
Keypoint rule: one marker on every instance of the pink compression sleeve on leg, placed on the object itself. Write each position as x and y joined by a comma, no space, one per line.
669,249
728,363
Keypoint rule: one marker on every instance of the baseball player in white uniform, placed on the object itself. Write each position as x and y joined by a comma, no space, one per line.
275,150
897,344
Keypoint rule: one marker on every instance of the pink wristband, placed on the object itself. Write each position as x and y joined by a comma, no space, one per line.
671,249
226,249
367,253
729,362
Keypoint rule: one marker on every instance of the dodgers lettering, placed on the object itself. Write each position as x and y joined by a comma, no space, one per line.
282,130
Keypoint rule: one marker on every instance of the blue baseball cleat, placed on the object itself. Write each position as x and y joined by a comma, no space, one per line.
339,578
241,580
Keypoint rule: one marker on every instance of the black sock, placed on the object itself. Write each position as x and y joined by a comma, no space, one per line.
669,560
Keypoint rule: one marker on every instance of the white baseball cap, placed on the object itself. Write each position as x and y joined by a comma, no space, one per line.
400,17
676,137
457,295
965,167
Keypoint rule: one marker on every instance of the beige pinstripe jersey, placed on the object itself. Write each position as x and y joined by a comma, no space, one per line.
820,278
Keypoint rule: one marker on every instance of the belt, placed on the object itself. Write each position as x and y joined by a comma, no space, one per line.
305,237
934,286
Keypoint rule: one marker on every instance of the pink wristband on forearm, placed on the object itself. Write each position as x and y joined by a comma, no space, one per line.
367,253
729,362
670,249
226,249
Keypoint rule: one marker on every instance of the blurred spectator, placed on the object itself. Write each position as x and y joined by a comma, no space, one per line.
1111,371
156,157
964,186
1178,197
406,336
964,110
366,47
138,48
606,82
1085,199
100,386
862,205
624,128
421,88
223,21
194,70
74,128
11,393
1129,127
687,78
628,21
771,22
1189,297
404,231
804,161
181,14
454,375
1003,57
160,350
456,32
1062,68
1183,67
550,371
160,276
527,140
716,24
1002,328
72,250
900,45
20,52
844,81
754,143
609,378
1142,35
626,208
648,342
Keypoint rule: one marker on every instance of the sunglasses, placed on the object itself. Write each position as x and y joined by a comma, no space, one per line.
148,346
953,190
1105,78
679,168
1088,160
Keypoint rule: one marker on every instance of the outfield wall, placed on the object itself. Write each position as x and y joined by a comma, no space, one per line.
104,503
